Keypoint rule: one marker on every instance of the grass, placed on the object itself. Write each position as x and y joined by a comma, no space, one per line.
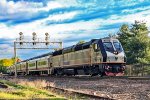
15,91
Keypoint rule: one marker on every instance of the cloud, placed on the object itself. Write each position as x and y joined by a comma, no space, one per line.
24,11
68,20
6,51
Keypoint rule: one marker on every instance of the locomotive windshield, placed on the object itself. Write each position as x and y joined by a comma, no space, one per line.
108,46
117,46
112,46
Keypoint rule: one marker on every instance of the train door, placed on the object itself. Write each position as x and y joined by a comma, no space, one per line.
36,64
50,65
27,68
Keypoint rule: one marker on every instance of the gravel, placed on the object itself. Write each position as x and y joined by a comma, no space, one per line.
123,89
115,88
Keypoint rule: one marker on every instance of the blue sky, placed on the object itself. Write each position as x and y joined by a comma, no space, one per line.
66,20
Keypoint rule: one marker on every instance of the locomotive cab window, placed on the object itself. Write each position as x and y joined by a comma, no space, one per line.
95,47
108,46
117,46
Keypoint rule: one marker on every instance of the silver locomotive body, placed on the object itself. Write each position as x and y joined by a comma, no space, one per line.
98,56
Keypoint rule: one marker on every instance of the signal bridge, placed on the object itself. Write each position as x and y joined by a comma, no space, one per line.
35,43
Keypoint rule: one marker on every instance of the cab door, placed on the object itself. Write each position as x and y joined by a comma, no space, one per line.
96,54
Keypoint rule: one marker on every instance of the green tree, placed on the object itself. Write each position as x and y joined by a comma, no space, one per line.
135,42
4,63
7,62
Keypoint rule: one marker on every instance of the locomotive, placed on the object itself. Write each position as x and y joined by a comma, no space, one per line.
103,56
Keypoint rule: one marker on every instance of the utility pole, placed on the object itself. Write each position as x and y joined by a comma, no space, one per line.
20,43
15,59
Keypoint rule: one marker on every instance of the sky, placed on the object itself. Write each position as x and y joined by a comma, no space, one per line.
67,20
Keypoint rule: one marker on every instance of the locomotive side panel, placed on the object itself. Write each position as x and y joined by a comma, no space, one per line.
65,60
96,57
71,58
78,57
56,61
86,59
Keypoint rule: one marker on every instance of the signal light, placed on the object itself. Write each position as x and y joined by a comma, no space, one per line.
47,43
21,38
21,43
46,38
34,38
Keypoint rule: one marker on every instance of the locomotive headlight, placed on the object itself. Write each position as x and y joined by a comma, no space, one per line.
115,52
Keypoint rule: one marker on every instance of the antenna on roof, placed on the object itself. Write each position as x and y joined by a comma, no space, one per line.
112,36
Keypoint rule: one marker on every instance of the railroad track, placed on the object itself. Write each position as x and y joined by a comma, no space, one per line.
97,88
86,77
98,77
89,78
80,94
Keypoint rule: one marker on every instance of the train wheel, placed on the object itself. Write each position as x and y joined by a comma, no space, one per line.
93,71
59,72
86,71
101,74
75,72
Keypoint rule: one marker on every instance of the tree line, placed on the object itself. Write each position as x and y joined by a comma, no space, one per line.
4,63
136,42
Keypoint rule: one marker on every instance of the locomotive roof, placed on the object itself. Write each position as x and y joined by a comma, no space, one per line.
43,55
75,47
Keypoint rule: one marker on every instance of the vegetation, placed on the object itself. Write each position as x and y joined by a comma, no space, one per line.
138,70
24,92
81,42
135,42
4,63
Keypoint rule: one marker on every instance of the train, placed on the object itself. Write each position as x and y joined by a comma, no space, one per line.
103,57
